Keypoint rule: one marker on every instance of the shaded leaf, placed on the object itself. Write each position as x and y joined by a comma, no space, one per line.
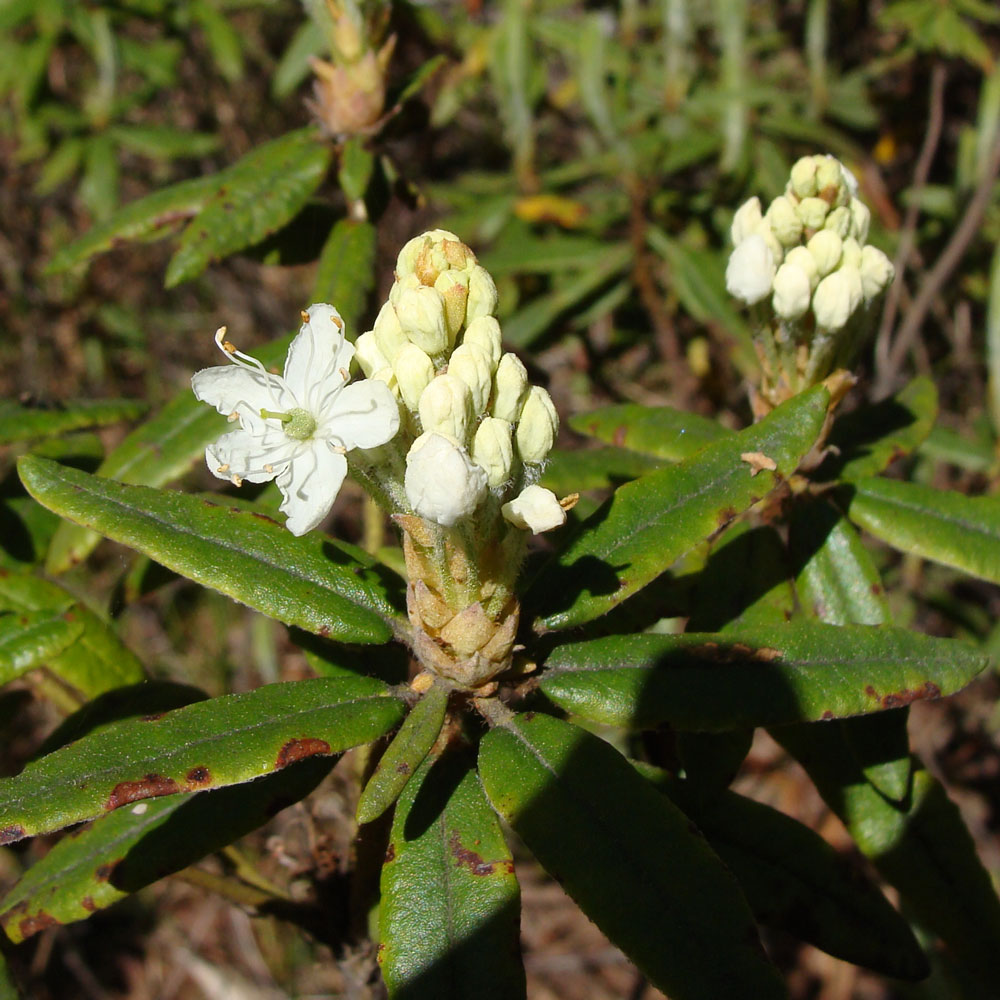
755,675
310,582
210,744
592,469
449,913
345,274
628,857
27,640
21,423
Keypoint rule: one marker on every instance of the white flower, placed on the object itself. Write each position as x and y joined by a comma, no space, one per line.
441,482
296,428
534,509
750,270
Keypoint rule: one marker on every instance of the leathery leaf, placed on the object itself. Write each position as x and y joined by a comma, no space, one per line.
209,744
28,640
628,856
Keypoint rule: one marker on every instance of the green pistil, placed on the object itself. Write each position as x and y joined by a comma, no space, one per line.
299,424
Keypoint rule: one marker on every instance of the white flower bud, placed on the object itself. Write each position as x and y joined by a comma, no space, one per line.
482,294
829,177
765,232
388,376
388,333
750,270
851,254
812,212
510,384
472,365
403,284
803,177
454,289
368,354
441,483
826,248
784,222
534,509
877,272
484,332
407,259
861,218
414,372
445,407
536,427
421,314
493,450
804,260
839,221
745,221
836,298
791,291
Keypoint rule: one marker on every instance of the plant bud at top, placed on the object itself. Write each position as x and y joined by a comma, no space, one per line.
784,223
812,212
851,254
826,248
493,450
803,177
368,354
829,178
472,365
860,219
407,260
839,221
349,98
836,298
745,221
877,272
803,259
792,291
453,287
414,372
445,407
534,509
421,314
484,332
441,483
510,386
537,426
388,333
750,270
482,294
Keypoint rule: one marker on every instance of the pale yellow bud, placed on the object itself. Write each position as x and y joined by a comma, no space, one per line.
368,354
765,232
803,259
784,222
803,177
792,291
407,259
851,255
482,294
389,335
421,314
812,212
839,221
484,332
860,220
441,483
414,372
403,283
493,450
537,426
534,509
453,287
472,365
836,298
829,177
826,248
877,272
445,407
509,388
745,221
750,270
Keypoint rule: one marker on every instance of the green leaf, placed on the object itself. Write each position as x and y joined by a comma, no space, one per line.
941,525
345,274
356,165
293,66
28,640
920,845
130,848
795,880
147,218
97,660
21,423
160,142
259,194
311,582
592,469
450,901
628,857
26,528
8,988
404,755
650,523
223,39
210,744
755,676
660,431
871,437
973,455
98,188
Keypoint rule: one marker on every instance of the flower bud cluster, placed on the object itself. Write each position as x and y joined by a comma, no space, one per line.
479,425
806,256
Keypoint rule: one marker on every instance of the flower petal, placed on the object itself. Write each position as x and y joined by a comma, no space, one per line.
235,389
243,455
364,414
309,484
317,355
